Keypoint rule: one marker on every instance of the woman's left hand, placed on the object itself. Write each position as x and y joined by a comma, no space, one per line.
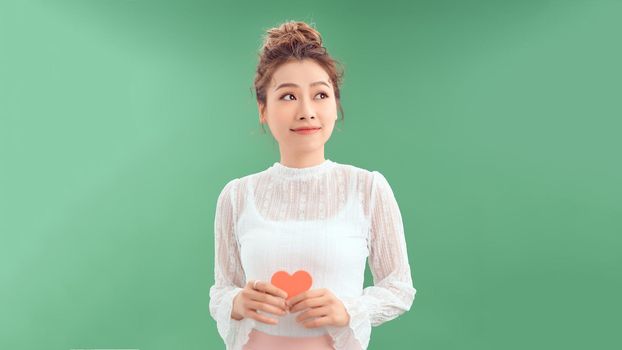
322,304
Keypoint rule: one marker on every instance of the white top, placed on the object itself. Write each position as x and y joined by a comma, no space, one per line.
326,219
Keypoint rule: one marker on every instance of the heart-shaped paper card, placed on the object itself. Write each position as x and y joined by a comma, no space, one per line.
294,284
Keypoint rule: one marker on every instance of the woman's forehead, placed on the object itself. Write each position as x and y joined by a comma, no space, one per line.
304,72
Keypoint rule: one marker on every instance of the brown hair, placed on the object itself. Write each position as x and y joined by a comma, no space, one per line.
294,40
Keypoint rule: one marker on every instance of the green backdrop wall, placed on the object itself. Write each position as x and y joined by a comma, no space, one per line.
497,123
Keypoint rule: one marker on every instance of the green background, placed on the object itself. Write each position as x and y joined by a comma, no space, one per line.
497,124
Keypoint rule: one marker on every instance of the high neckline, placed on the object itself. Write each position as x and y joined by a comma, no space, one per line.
288,172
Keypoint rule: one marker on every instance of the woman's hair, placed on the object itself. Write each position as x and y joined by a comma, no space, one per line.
294,40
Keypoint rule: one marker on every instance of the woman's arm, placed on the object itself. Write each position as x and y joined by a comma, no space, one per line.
228,272
392,293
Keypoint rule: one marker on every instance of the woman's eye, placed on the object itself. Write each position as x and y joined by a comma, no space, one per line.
321,93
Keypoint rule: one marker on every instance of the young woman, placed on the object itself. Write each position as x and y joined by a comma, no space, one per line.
307,218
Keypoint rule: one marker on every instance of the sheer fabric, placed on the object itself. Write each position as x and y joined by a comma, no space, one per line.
326,219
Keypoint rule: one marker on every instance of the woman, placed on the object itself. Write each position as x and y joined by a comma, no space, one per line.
305,219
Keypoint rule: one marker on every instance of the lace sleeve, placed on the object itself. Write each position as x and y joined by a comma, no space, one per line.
228,272
392,293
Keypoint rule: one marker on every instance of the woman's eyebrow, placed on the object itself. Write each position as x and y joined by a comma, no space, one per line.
295,85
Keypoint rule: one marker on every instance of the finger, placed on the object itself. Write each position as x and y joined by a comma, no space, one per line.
267,298
270,288
318,322
310,302
254,315
258,286
265,307
315,312
304,295
294,300
274,290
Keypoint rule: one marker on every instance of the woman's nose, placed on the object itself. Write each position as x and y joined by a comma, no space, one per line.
306,109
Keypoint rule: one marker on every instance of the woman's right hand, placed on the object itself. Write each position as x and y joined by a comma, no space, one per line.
265,297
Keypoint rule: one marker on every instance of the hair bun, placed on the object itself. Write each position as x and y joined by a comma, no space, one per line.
292,34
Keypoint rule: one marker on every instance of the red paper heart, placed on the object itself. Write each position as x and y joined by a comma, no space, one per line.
294,284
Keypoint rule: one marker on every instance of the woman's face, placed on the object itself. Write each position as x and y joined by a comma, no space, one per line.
300,95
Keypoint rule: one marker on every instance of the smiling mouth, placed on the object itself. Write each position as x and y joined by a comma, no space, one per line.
306,131
303,129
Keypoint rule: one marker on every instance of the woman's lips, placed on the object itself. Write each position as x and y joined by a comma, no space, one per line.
306,131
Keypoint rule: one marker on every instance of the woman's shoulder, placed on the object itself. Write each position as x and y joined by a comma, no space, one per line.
228,190
369,182
235,186
234,183
350,167
364,175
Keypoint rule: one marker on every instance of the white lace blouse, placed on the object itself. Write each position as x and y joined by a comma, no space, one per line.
325,219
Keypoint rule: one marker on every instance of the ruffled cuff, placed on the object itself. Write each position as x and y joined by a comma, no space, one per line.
235,333
224,322
243,329
354,336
